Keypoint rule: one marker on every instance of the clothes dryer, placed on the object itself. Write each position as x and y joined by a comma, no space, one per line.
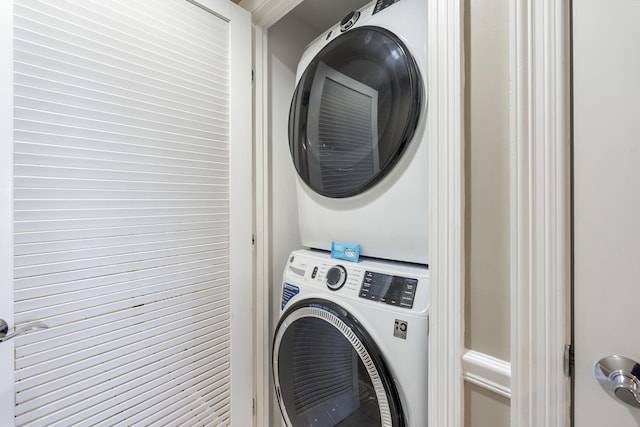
350,348
357,133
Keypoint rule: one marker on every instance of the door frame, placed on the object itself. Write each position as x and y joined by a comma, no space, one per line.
7,403
540,212
446,138
241,261
539,57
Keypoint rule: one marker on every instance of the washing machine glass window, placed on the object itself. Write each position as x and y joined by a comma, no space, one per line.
327,373
354,110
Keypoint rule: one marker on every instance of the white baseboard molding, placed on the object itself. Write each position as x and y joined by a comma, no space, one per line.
487,372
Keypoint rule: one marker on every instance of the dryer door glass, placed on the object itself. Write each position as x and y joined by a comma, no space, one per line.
355,109
327,373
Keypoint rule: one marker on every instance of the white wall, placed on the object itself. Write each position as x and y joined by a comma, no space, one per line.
487,176
487,294
286,42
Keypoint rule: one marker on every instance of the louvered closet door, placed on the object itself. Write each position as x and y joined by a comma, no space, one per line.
123,200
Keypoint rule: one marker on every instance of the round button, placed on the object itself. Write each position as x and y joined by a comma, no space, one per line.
336,277
348,21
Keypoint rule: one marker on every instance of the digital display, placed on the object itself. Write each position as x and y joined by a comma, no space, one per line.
392,290
383,4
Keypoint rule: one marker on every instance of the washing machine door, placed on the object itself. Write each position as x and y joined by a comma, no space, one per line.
328,372
354,110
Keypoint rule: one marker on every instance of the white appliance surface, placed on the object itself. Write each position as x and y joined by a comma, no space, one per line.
389,220
406,358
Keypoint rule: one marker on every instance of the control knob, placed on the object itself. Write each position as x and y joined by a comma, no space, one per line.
348,21
336,277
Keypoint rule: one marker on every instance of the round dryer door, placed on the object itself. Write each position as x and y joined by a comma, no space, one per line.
355,109
328,372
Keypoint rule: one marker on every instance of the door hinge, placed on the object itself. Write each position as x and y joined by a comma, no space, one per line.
568,360
253,406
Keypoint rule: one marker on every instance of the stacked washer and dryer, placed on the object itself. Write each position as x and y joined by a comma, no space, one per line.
350,348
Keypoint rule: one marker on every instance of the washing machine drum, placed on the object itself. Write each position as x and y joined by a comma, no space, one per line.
354,110
328,372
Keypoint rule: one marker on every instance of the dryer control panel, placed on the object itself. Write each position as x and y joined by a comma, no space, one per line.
383,4
392,290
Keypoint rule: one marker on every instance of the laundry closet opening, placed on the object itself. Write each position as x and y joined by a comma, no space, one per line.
284,45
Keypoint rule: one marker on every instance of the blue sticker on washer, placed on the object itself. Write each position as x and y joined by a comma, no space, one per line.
288,291
346,251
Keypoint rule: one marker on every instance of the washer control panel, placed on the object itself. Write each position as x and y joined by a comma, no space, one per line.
398,285
392,290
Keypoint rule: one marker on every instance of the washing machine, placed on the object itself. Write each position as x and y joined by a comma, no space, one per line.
350,348
357,133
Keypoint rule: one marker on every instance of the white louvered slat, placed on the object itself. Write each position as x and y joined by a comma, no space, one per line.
138,360
121,213
109,271
116,371
81,358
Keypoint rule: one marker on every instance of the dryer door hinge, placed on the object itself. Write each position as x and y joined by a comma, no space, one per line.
568,360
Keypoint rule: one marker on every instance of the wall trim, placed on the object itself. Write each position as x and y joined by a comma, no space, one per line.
262,235
446,211
242,329
487,372
540,211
